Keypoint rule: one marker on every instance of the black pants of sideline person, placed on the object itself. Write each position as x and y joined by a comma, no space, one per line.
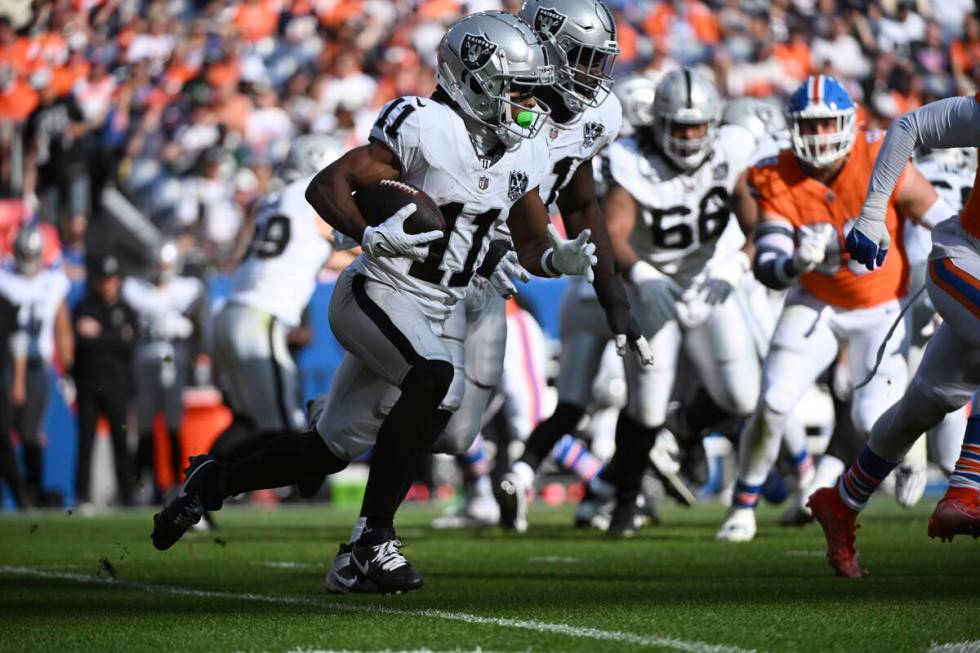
113,405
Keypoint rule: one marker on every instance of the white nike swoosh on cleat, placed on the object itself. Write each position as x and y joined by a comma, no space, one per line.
348,583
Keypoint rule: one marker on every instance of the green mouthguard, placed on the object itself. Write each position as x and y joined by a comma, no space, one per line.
524,119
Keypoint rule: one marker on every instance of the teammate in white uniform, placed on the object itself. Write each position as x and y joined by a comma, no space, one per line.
396,309
949,373
584,331
168,306
670,217
270,290
39,293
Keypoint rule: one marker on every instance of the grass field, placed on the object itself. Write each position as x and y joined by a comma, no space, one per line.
72,584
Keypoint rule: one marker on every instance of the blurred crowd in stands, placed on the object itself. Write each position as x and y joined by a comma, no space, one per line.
186,108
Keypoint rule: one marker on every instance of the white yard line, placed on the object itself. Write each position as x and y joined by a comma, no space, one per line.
972,646
561,559
287,564
578,632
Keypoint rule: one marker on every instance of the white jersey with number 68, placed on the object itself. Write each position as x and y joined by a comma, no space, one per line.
684,218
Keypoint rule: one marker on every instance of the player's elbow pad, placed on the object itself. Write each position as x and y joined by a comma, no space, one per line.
774,270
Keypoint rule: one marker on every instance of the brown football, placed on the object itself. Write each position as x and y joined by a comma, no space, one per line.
379,201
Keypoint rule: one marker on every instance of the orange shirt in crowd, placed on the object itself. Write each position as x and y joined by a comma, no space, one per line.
17,55
17,101
795,58
257,20
965,55
697,14
786,191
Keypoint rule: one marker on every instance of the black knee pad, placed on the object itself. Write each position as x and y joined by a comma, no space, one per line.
566,416
429,381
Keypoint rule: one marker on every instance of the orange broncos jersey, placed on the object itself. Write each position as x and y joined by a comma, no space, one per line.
970,217
782,188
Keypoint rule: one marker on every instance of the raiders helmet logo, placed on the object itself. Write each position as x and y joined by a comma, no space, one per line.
517,187
476,51
720,171
590,132
548,21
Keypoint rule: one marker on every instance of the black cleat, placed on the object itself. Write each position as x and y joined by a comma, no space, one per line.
384,565
184,510
343,577
625,519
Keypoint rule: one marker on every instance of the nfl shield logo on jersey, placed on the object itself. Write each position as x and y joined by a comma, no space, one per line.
484,183
476,51
590,132
548,20
720,171
518,185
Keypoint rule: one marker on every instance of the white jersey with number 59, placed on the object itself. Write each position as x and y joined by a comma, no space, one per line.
279,272
685,218
435,152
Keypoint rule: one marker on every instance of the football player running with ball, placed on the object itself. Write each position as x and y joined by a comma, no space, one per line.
808,197
471,148
949,373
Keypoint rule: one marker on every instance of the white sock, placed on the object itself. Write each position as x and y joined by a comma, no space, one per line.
524,472
355,534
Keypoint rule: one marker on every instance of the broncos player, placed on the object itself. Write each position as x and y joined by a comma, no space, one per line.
807,197
949,373
396,309
670,219
270,289
584,335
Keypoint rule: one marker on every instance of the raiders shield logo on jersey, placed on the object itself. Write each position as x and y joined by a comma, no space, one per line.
720,171
518,185
548,20
590,132
477,51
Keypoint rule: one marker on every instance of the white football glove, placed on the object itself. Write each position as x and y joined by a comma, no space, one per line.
659,292
811,251
724,276
389,238
639,345
573,257
506,271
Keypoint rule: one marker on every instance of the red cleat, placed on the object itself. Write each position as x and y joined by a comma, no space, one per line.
958,513
839,524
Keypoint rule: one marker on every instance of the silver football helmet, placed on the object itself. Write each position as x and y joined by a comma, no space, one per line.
581,36
686,97
482,59
309,154
28,249
636,93
758,116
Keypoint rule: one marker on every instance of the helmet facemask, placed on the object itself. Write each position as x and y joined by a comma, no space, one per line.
584,73
823,150
498,102
686,153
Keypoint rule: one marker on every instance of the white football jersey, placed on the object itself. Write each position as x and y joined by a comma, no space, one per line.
159,306
950,174
572,143
436,155
278,275
685,218
37,299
